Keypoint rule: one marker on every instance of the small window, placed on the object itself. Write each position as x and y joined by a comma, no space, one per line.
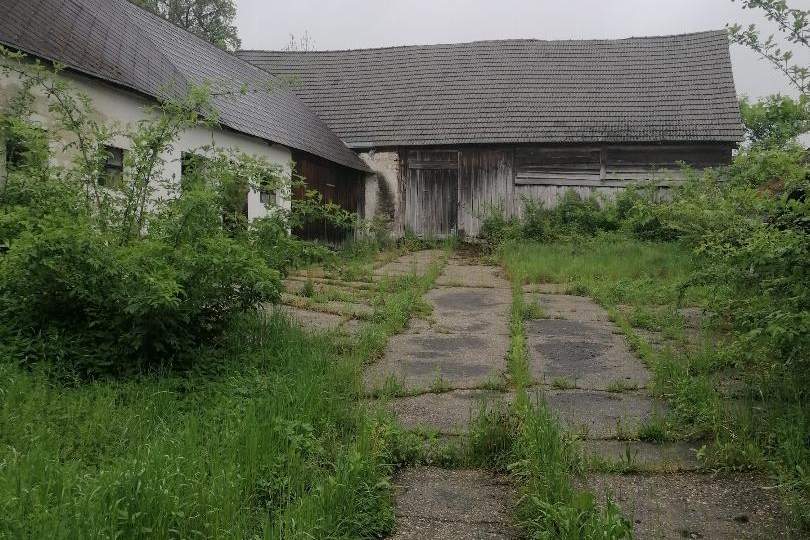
267,196
193,170
113,168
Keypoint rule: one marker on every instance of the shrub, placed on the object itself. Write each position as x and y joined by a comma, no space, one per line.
576,215
108,278
496,228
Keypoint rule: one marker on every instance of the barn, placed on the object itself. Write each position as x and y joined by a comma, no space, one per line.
451,130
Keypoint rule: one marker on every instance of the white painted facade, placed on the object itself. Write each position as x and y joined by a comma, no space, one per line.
122,108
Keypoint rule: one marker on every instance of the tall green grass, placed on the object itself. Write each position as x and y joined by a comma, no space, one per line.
715,396
265,439
531,444
610,266
271,444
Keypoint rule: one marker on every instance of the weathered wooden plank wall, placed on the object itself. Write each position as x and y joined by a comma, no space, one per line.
504,176
486,180
431,192
337,184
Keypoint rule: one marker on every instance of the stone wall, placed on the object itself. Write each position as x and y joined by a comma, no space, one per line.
385,165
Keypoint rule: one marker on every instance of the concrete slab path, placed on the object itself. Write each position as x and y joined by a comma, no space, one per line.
448,366
597,386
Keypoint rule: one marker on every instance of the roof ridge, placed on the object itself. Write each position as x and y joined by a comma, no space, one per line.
487,41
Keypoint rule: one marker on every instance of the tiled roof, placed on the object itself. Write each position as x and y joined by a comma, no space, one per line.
121,43
672,88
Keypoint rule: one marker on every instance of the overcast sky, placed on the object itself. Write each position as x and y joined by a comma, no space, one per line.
344,24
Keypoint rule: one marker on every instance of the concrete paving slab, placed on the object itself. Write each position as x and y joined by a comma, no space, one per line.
469,310
691,505
671,456
410,528
596,330
463,275
593,414
461,496
295,286
330,281
418,262
575,308
447,413
355,310
597,364
460,360
317,320
468,299
546,288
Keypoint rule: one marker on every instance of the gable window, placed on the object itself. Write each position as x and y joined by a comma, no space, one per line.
113,175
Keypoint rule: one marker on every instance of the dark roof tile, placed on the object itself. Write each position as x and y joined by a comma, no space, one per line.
121,43
670,88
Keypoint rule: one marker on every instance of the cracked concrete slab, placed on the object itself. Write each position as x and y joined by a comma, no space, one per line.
459,360
471,497
469,310
449,412
671,456
577,308
691,505
595,364
464,275
592,414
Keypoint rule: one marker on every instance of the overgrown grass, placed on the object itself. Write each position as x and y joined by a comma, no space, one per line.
265,439
269,444
528,441
611,267
744,420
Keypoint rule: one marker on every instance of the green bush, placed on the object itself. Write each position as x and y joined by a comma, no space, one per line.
103,278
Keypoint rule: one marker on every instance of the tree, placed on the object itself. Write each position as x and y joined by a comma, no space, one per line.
305,43
775,121
209,19
793,23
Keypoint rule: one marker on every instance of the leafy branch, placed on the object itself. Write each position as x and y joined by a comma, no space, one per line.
793,23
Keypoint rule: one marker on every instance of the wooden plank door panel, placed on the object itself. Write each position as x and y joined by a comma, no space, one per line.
432,201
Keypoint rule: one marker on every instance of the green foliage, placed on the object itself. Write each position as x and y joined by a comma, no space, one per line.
213,20
270,444
792,23
739,249
120,278
775,120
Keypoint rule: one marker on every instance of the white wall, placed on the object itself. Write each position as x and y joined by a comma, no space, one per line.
124,109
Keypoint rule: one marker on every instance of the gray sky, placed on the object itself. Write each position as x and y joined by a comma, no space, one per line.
342,24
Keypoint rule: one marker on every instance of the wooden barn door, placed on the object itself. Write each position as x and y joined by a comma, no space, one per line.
431,193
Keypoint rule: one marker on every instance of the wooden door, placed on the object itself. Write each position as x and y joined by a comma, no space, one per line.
431,193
